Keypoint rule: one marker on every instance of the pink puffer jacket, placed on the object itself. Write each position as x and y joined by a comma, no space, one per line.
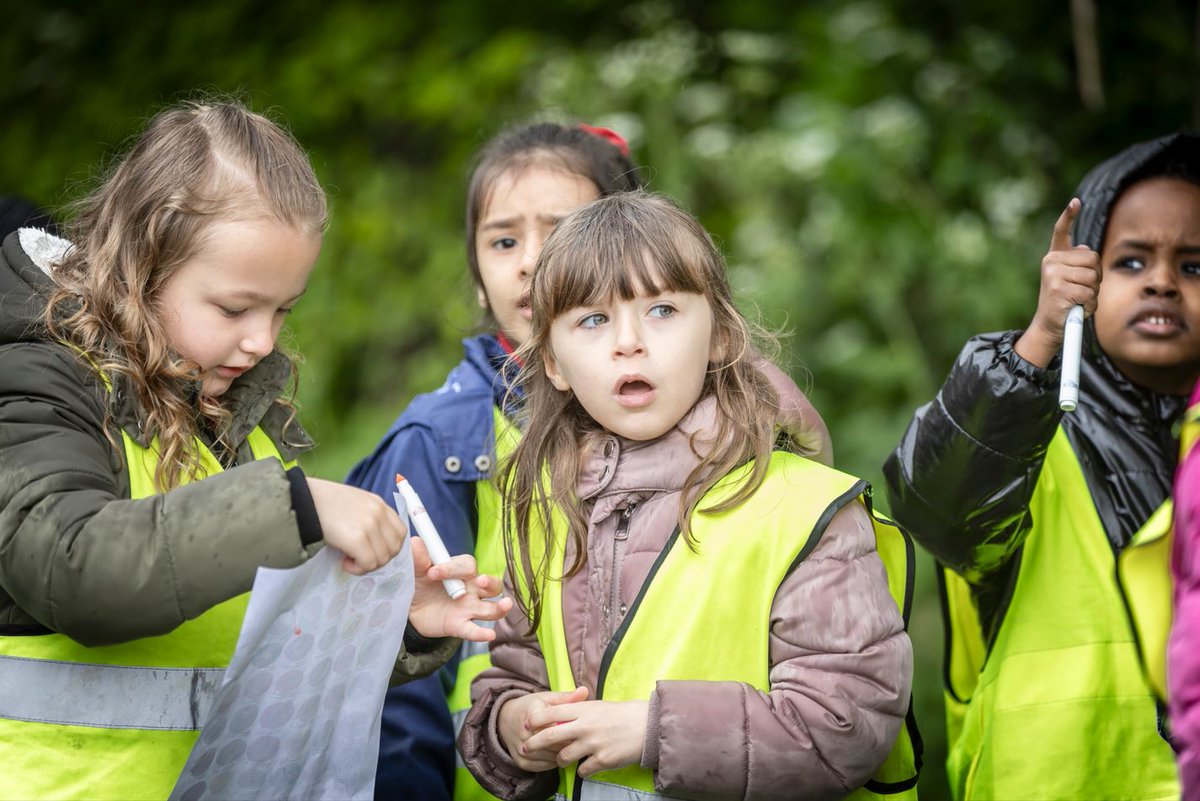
841,663
1183,650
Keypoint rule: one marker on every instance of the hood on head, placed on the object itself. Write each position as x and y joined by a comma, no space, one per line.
1099,188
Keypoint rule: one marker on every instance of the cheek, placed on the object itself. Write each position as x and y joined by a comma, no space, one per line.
1108,310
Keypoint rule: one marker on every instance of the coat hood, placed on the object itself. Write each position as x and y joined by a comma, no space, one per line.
25,259
1100,188
1122,432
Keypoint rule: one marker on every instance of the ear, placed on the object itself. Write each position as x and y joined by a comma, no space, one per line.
481,296
554,374
717,351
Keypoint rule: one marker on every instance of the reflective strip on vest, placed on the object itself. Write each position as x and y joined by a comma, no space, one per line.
106,696
115,721
592,790
788,513
1061,707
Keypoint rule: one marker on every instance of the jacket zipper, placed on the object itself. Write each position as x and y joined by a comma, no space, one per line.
620,538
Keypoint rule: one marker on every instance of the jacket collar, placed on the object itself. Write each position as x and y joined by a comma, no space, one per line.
618,472
250,400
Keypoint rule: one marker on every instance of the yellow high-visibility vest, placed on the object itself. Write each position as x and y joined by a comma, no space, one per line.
489,557
1063,704
748,551
116,721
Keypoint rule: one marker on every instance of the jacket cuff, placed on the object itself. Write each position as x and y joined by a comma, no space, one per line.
417,643
1047,378
304,508
418,664
483,751
650,744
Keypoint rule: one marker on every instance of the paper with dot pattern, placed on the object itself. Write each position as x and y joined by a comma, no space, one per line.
298,713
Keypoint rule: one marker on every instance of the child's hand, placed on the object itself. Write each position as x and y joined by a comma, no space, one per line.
358,523
600,735
434,614
515,728
1070,277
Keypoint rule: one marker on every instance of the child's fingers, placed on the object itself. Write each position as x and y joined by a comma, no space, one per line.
489,586
422,564
551,738
1061,238
467,629
461,566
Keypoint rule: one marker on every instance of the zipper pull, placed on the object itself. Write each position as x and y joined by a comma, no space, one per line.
622,532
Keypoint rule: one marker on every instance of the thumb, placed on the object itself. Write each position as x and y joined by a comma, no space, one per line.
572,697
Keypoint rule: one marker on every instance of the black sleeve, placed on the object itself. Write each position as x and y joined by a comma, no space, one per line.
304,508
962,476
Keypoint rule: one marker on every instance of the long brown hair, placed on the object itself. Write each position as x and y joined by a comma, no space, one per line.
194,164
618,246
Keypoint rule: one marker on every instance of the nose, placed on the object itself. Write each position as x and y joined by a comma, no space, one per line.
1161,280
259,339
529,255
627,333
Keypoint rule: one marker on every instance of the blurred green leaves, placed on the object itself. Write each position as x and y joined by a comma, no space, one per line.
882,176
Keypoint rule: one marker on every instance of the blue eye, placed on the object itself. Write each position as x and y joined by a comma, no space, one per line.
594,320
662,310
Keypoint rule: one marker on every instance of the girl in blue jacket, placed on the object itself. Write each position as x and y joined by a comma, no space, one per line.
525,180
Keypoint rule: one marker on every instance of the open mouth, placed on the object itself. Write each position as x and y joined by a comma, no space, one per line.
1158,323
634,390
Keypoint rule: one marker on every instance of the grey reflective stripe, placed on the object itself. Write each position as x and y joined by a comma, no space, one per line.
592,790
470,649
106,696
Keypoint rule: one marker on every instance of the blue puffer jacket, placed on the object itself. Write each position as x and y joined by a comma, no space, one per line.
442,443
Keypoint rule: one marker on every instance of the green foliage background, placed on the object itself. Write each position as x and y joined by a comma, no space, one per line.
882,175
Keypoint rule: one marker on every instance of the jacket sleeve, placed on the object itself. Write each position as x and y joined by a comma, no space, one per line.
840,682
1183,650
518,668
81,558
416,744
961,479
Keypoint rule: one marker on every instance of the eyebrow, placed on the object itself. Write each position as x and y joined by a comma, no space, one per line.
257,297
1136,244
511,222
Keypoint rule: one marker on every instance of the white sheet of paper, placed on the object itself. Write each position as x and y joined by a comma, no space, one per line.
298,713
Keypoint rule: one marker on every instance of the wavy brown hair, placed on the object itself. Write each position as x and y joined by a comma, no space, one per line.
194,164
621,246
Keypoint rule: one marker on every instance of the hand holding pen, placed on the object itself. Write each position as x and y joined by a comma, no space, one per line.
408,503
1070,282
471,596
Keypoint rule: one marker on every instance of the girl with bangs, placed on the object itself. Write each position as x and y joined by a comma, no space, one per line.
447,442
695,599
147,456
